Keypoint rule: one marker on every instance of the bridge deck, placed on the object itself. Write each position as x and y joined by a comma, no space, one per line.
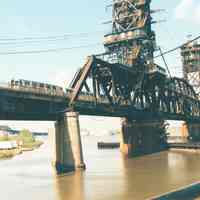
18,104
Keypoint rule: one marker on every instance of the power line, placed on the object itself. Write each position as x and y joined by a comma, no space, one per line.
178,47
31,44
64,36
32,41
165,62
48,50
4,44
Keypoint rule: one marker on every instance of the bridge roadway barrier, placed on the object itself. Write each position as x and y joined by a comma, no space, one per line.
23,104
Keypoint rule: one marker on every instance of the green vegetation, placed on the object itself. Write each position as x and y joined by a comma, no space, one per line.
6,154
26,136
32,146
9,153
27,140
4,138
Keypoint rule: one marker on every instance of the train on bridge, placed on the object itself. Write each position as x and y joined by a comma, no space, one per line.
44,88
38,87
54,90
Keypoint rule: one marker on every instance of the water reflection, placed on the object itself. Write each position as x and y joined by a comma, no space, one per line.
108,176
70,186
183,166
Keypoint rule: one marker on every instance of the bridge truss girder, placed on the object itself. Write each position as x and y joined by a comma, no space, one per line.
121,86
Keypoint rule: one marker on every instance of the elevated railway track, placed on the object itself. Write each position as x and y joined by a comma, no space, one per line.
158,97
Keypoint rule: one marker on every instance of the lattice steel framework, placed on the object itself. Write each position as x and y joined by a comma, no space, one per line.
113,85
126,75
132,40
191,64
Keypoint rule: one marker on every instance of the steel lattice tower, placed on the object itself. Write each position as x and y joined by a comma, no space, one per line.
191,64
132,41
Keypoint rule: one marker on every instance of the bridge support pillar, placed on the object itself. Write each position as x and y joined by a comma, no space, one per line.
142,137
184,133
193,131
68,147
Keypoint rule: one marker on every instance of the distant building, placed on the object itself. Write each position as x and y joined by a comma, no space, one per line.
5,145
5,130
191,64
2,133
178,133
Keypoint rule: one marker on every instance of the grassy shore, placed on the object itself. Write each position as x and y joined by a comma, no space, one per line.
31,146
9,153
27,143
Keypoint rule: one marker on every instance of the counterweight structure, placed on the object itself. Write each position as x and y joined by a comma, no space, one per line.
191,64
132,41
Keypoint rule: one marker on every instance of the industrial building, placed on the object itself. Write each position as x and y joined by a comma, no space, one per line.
191,64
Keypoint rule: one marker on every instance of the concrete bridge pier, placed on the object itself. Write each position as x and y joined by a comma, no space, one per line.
192,130
68,154
142,137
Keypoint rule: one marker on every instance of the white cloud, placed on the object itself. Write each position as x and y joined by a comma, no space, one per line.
188,10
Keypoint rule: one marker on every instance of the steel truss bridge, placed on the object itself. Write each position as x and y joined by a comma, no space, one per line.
154,95
127,83
105,89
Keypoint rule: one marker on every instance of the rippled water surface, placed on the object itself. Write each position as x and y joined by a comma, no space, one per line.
108,176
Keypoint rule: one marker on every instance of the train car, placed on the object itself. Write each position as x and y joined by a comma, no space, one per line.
34,86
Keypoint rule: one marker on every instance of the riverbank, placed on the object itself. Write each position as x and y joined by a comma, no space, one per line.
12,145
9,153
31,146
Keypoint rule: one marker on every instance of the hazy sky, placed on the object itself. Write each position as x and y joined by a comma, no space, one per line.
38,18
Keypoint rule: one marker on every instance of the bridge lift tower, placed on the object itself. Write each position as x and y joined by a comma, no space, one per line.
191,64
130,45
122,72
132,41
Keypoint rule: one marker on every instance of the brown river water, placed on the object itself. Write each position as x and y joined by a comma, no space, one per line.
109,176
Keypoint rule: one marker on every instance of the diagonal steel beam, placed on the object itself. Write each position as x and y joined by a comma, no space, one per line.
81,81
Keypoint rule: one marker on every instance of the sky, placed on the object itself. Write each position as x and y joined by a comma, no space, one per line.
82,22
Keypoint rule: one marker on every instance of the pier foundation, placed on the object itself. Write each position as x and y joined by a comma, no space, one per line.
142,137
192,130
68,148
